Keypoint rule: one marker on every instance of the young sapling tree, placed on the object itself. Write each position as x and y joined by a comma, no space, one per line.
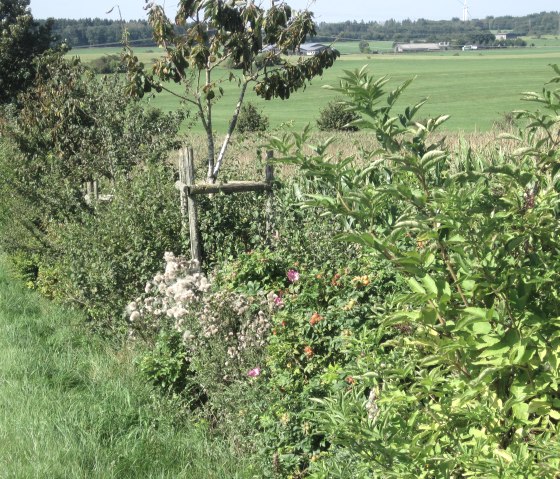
206,34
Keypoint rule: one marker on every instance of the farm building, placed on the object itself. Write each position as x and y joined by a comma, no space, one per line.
270,48
417,47
506,36
310,49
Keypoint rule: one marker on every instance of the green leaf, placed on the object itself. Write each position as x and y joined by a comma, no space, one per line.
430,286
503,347
554,414
506,456
480,313
445,292
415,286
521,411
482,327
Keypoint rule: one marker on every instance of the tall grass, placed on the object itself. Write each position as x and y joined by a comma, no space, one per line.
71,407
245,158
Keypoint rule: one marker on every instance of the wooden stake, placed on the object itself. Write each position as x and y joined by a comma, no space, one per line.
194,232
269,212
183,193
189,191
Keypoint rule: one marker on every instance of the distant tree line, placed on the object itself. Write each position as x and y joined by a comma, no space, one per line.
96,31
453,31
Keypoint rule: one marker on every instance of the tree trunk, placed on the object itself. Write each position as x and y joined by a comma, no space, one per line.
210,134
230,131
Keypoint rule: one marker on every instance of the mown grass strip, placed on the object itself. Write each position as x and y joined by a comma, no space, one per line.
70,406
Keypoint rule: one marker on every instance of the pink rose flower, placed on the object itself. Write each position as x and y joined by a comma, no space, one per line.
253,373
293,275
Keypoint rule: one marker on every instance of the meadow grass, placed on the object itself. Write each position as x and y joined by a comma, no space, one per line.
476,88
144,54
349,47
71,407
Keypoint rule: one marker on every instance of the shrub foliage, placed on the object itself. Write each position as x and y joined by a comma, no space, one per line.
251,119
72,128
337,117
460,378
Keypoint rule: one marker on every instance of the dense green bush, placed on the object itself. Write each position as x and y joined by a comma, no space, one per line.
234,224
107,64
72,128
165,365
106,256
321,313
337,117
246,272
231,225
251,120
20,230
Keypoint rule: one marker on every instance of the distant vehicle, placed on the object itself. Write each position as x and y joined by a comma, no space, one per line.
470,47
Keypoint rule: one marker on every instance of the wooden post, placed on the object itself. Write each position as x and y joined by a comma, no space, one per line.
89,193
269,175
194,232
95,191
183,193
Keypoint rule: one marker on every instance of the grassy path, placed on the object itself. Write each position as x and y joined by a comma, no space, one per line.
71,408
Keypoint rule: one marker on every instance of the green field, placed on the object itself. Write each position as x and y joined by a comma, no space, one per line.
476,88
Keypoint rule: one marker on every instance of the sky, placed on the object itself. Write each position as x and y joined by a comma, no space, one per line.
325,10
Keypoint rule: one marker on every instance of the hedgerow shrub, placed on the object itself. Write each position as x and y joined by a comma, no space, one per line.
73,127
108,255
249,275
19,233
231,225
460,377
322,310
209,343
107,64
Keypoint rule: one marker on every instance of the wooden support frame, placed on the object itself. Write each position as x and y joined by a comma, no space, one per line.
231,187
189,190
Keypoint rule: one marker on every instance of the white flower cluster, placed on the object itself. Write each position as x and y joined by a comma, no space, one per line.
253,334
180,298
170,294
